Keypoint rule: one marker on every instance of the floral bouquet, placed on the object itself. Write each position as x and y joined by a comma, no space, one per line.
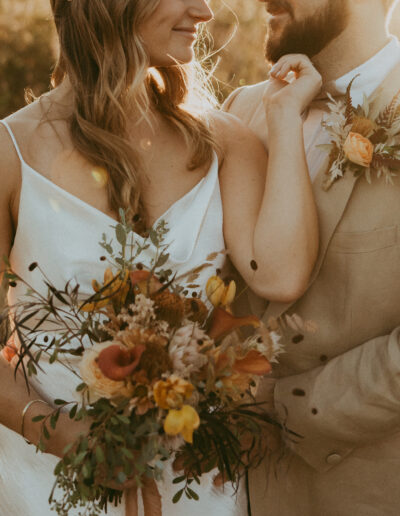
163,374
363,141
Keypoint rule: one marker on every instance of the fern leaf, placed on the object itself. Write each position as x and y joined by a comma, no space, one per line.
350,110
388,115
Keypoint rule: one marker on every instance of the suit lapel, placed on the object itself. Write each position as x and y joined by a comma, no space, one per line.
331,204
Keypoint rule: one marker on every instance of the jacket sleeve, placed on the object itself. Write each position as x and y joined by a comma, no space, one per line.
228,105
352,400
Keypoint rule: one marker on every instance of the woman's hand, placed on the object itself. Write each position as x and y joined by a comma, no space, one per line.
296,92
150,496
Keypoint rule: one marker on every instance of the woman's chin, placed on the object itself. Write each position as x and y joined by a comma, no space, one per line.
174,58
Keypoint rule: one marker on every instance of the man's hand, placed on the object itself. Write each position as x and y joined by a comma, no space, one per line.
296,91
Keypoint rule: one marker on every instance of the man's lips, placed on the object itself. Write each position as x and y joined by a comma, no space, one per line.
276,12
276,9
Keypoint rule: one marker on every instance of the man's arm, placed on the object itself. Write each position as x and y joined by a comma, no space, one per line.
351,401
228,105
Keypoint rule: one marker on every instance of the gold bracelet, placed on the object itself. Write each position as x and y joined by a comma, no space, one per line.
26,408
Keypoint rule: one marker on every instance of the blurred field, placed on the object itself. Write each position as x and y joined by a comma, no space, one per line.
27,53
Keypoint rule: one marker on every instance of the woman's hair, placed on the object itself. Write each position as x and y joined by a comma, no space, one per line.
105,60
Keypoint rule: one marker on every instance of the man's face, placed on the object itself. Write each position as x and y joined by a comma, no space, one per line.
303,26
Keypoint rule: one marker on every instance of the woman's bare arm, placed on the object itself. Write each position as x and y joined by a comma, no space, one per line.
270,220
14,395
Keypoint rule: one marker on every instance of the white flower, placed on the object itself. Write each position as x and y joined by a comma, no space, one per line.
184,350
268,343
142,311
274,347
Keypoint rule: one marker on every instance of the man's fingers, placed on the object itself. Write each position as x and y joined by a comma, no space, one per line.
131,502
151,498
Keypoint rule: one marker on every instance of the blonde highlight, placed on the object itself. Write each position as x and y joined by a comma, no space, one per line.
112,78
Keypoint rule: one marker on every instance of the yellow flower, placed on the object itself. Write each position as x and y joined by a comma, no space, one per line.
184,421
358,149
171,394
114,290
220,294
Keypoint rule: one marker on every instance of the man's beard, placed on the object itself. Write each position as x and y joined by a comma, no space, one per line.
311,35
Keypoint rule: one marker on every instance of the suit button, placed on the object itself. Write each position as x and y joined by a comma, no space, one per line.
333,458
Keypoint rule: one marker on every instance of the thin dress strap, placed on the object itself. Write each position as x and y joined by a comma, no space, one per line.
13,139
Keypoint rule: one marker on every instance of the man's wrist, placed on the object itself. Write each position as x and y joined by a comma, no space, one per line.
282,116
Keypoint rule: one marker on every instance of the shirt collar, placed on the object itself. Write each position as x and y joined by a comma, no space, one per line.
370,74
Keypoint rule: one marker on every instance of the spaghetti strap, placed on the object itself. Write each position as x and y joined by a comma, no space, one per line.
3,122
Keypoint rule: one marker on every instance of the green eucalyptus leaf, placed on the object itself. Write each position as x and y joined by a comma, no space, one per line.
46,432
68,448
99,455
81,387
36,419
154,237
162,260
177,496
121,477
193,494
120,234
180,479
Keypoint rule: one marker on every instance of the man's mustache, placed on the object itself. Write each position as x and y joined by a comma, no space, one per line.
279,5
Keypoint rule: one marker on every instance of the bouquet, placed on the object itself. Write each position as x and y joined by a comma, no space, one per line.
163,374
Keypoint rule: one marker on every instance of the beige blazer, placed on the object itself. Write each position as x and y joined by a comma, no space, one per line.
340,388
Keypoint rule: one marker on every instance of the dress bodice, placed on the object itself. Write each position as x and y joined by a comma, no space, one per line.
62,233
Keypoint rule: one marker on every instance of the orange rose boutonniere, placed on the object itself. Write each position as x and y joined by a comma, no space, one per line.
359,143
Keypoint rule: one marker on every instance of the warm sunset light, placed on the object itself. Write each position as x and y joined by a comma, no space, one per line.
238,30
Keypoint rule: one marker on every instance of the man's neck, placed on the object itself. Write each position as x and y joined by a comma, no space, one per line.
353,47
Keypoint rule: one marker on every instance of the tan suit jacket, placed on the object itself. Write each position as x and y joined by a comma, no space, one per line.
340,387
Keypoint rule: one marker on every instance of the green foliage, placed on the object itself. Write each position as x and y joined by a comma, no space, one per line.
118,447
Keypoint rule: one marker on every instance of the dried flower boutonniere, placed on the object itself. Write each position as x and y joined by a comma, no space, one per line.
362,143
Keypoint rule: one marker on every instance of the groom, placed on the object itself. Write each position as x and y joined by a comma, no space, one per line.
339,388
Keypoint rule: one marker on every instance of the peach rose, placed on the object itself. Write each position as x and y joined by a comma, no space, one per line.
358,149
99,385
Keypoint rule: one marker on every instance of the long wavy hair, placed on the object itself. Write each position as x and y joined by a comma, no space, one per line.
104,58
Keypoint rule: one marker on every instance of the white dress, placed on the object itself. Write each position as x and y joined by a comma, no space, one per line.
62,234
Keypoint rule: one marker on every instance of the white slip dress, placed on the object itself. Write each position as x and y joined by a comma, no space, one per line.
62,233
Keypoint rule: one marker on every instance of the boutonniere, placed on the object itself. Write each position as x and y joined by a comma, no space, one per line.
362,143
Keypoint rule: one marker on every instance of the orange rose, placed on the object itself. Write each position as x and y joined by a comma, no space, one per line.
358,149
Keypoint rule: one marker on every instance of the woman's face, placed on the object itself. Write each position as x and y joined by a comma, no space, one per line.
170,32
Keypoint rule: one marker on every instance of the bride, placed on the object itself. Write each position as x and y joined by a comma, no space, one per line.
126,126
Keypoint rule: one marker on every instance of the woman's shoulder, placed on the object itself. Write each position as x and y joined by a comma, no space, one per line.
25,121
17,129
